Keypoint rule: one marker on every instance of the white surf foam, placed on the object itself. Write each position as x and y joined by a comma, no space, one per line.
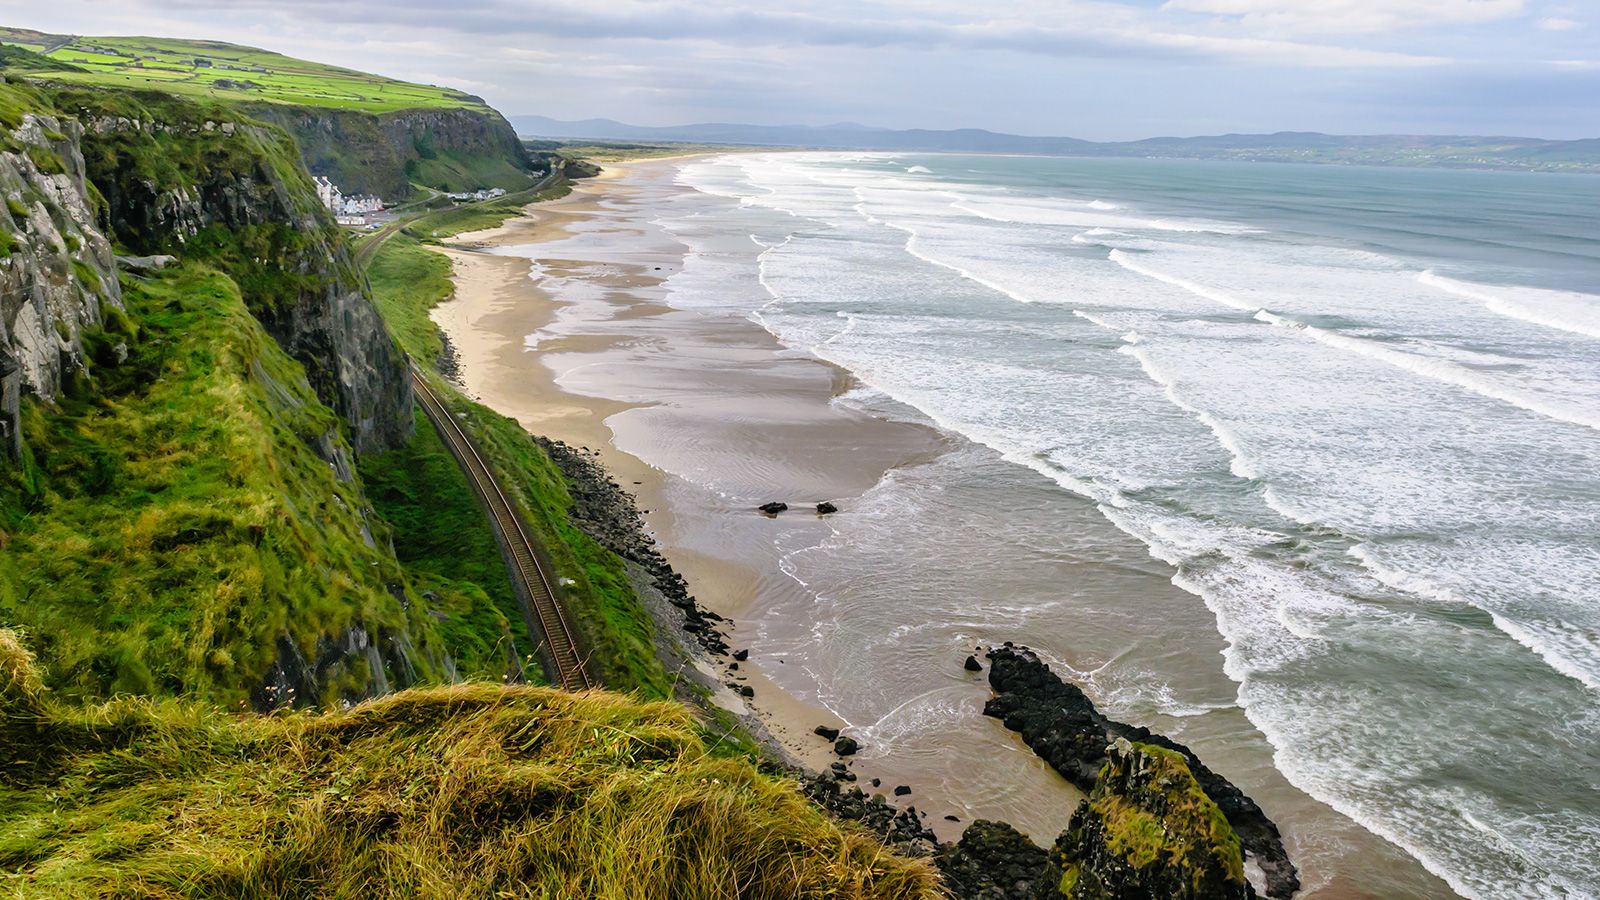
1570,312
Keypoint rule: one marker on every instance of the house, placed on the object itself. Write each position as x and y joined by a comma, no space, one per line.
329,193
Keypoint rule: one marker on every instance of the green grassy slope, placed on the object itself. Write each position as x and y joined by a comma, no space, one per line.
174,519
221,71
459,793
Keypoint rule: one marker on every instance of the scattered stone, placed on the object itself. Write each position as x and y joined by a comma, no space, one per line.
972,664
901,790
746,691
733,667
831,734
846,746
877,782
741,655
773,508
824,508
952,818
607,513
899,828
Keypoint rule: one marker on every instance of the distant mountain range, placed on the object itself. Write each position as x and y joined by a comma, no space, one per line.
1531,154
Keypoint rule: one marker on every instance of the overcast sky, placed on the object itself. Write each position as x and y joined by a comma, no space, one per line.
1099,69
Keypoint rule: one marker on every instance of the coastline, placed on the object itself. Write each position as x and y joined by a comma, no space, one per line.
497,300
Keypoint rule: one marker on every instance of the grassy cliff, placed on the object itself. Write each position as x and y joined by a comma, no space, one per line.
174,520
188,537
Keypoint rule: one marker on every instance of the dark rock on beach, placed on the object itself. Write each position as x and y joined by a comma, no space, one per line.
831,734
741,655
972,664
604,511
900,828
901,790
1063,727
993,861
773,508
846,746
825,508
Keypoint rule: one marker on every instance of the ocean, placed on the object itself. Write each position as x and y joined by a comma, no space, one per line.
1353,413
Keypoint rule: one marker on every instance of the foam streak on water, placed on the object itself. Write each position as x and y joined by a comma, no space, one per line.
1357,411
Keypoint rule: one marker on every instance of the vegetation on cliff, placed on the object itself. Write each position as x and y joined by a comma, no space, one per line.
216,70
174,517
469,791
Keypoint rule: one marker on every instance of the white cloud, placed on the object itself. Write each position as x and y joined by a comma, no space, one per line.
1350,16
1558,23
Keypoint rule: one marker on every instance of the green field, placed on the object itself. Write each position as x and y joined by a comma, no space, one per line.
229,72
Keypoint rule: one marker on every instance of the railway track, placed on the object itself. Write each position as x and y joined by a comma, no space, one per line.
558,647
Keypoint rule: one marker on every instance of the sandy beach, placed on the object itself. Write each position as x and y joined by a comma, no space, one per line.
759,412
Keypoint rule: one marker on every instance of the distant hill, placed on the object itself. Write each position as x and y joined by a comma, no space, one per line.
370,134
229,72
1530,154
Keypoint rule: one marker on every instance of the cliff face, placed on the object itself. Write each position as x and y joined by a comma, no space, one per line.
178,179
366,153
181,513
57,274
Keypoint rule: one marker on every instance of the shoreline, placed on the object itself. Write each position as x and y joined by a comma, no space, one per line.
496,297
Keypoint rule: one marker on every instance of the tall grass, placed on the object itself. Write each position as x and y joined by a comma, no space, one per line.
465,792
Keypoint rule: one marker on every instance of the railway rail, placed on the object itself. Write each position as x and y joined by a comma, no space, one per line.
558,647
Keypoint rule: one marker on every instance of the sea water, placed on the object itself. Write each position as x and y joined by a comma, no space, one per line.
1353,412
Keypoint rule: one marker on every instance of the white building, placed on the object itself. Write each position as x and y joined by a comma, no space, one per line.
343,207
329,193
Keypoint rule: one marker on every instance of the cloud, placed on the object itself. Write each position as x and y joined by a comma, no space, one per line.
1558,23
1073,30
1350,16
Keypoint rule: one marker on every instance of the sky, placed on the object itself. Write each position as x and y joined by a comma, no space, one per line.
1095,69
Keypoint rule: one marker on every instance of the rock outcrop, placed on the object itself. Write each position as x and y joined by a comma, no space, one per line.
1147,830
994,861
57,274
1063,727
178,180
383,153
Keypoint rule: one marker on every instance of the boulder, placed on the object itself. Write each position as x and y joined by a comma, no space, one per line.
824,508
972,664
846,746
901,790
773,508
831,734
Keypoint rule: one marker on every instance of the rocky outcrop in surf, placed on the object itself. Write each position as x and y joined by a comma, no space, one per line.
1147,830
1063,727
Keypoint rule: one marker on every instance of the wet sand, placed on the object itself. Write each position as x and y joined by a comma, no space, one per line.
560,321
742,403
